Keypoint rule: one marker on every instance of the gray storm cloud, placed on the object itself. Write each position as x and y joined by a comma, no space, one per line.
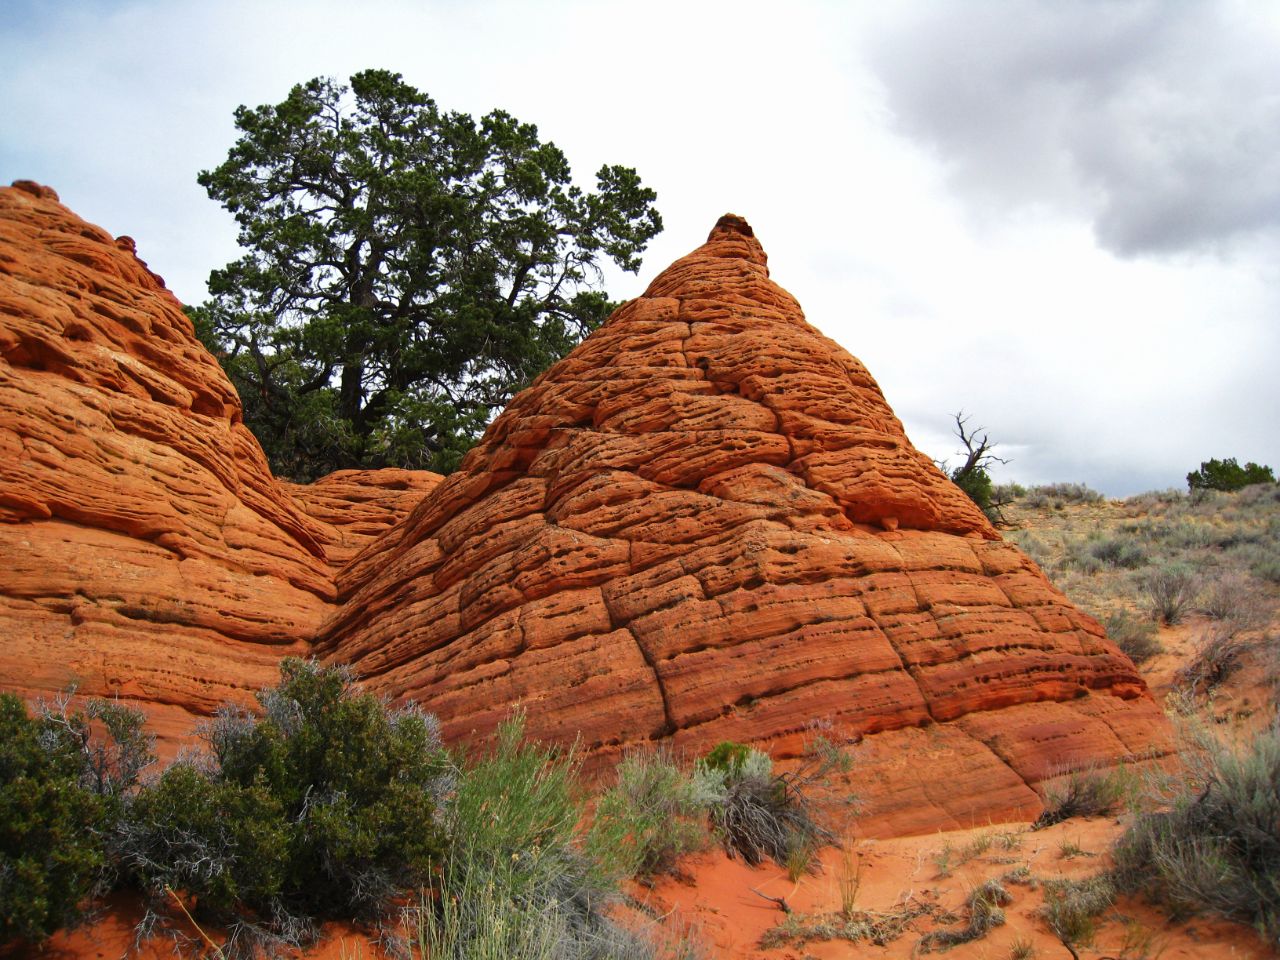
1160,123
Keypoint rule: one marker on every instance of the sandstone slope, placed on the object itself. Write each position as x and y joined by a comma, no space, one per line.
147,550
707,523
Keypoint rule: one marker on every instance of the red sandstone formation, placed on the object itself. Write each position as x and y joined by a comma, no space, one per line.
147,550
704,523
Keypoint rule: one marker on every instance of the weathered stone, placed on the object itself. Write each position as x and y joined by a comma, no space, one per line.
705,523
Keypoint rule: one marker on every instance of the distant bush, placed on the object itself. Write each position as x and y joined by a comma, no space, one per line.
1216,846
64,775
1118,552
325,806
1171,589
1237,600
1032,546
1135,636
1008,492
1154,500
1228,475
1059,494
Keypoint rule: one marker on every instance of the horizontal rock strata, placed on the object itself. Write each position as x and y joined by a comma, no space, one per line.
706,523
148,552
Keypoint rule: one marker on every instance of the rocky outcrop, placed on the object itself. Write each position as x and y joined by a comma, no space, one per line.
706,523
148,552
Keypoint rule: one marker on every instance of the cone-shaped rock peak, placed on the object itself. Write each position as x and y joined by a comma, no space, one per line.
706,523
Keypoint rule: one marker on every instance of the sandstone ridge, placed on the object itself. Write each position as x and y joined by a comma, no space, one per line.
149,554
704,523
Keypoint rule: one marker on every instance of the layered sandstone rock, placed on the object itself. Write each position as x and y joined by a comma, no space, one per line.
147,550
706,523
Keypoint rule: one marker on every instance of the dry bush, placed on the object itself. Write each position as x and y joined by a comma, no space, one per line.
1085,793
985,906
1218,653
1135,637
1072,907
1214,842
1171,589
1237,599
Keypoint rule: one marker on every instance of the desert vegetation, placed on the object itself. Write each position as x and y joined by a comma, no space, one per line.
325,803
1207,562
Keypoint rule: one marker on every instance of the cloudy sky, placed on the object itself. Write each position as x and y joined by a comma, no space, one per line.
1062,218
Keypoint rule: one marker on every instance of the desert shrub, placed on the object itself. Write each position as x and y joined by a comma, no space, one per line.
1217,845
1085,793
1134,636
728,756
759,815
1080,558
1154,500
653,814
1228,475
986,910
51,844
1032,546
519,880
323,806
1118,552
1170,589
1264,563
1217,654
1072,907
1059,494
64,779
1237,600
1008,492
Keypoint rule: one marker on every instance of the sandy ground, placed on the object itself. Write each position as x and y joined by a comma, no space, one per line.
717,899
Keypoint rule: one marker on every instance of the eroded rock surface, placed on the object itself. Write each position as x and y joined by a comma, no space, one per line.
147,551
703,524
706,523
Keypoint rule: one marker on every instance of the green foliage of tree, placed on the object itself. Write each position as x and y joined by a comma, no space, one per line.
408,270
1228,475
323,806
